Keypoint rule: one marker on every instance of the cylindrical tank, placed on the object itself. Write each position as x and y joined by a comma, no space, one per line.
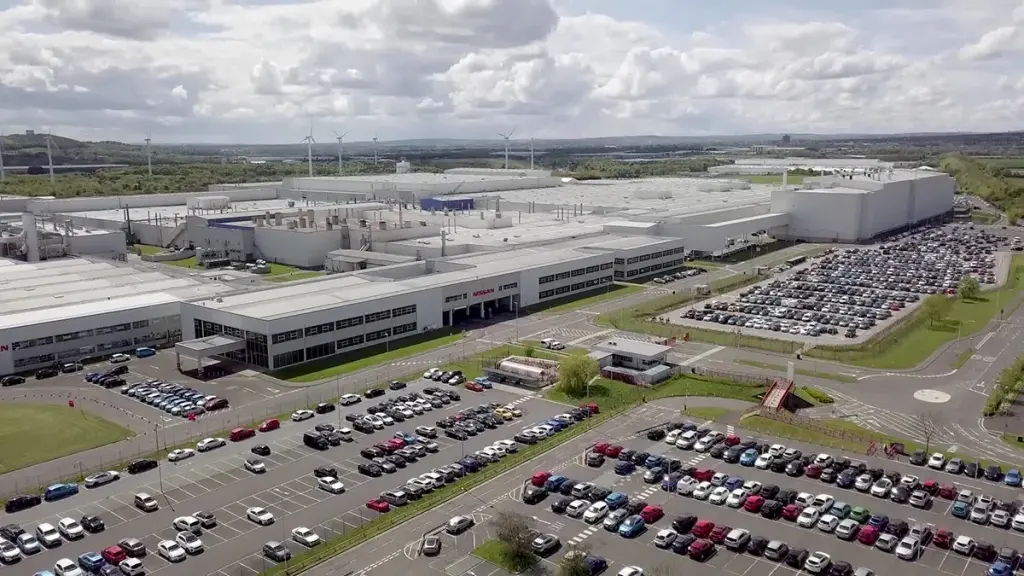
334,219
302,222
525,370
277,218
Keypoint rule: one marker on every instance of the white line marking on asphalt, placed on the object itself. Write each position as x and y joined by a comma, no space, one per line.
702,356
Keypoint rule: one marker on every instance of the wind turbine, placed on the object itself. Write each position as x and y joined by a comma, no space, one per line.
340,138
374,149
49,153
506,137
531,153
2,171
309,149
149,154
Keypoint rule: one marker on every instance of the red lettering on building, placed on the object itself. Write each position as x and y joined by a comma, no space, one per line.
5,347
483,292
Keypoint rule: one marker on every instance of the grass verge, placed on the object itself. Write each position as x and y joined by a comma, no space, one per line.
146,250
611,394
801,371
963,357
706,412
34,433
341,364
1013,441
563,305
498,553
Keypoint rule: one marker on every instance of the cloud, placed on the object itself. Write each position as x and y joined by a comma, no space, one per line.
252,71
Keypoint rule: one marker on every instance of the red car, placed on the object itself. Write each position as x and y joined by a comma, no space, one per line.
385,447
702,528
754,503
943,539
930,486
539,478
394,445
613,451
813,471
378,505
701,550
113,554
791,512
948,491
268,425
601,447
474,387
593,408
732,440
704,474
652,514
867,535
239,434
719,533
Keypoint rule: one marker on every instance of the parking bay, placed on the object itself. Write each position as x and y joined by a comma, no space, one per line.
211,482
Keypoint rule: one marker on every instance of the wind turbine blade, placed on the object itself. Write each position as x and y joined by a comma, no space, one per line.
502,135
335,133
510,133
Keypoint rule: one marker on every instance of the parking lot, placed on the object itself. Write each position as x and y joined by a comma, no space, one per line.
847,295
213,482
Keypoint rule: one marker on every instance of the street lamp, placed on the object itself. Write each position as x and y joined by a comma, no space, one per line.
515,307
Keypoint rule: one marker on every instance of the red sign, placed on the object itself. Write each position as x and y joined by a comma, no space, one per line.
71,403
5,347
483,292
191,417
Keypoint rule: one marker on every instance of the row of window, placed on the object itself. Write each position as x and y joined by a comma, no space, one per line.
255,351
326,327
655,267
121,344
652,256
589,284
572,273
511,286
330,348
82,334
455,297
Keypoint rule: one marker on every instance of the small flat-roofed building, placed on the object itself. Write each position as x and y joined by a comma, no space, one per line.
634,354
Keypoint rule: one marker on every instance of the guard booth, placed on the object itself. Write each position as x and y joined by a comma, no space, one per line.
200,349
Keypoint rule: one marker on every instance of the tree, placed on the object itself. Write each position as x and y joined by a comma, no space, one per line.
574,373
572,564
935,308
927,423
513,530
968,288
529,351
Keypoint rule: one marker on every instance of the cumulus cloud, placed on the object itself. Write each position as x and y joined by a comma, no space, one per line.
249,70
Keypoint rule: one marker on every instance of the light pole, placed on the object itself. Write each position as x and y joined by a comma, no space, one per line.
515,307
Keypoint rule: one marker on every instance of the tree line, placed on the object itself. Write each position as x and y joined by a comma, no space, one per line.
992,182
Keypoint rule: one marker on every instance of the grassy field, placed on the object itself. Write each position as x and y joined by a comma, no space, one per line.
564,305
497,552
774,179
293,276
473,366
705,412
145,250
801,371
609,394
34,433
342,364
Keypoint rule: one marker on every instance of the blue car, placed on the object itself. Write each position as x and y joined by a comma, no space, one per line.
405,437
733,482
631,526
654,461
470,464
748,457
92,376
483,382
58,491
670,481
616,500
999,569
1012,477
623,468
554,483
558,425
595,564
91,562
960,510
879,521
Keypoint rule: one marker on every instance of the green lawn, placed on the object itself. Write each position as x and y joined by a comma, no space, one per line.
293,276
341,364
189,262
146,250
498,553
34,433
705,412
775,179
913,343
473,365
563,305
801,371
610,394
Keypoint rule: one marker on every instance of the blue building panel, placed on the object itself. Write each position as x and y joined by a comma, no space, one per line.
441,204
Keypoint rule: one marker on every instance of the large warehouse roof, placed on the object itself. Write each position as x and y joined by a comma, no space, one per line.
59,313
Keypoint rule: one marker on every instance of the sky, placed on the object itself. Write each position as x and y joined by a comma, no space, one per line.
266,71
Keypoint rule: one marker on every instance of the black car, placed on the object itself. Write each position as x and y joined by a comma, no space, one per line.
374,393
794,469
371,452
324,408
984,551
559,506
656,434
972,470
681,545
757,545
363,426
397,385
595,459
683,524
322,428
847,478
12,380
796,558
528,439
841,568
598,493
640,458
672,465
786,496
771,509
994,473
44,373
719,451
566,488
779,466
370,469
325,472
133,547
139,466
918,458
397,460
627,455
333,438
457,434
92,524
731,455
900,495
769,491
11,532
534,494
897,528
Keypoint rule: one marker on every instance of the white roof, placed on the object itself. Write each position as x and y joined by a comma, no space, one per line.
58,313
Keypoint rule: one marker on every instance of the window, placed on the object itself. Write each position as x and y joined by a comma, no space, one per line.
578,286
33,361
128,326
320,350
283,337
546,279
348,323
618,274
632,260
593,282
562,275
592,269
404,328
645,270
140,324
455,298
378,316
620,359
319,329
645,257
289,358
511,286
546,294
377,335
562,289
606,279
32,343
632,273
403,311
655,255
579,272
356,340
73,336
618,262
232,331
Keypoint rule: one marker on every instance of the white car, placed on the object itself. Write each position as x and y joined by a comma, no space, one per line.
508,445
631,571
349,399
170,550
703,490
804,499
847,529
595,512
259,515
719,478
881,488
101,478
119,358
704,444
493,454
818,563
764,461
823,502
576,508
132,567
375,421
686,440
255,465
305,536
719,496
1000,518
964,545
65,567
70,528
9,553
387,420
828,523
207,444
980,514
737,498
686,485
28,544
189,542
330,484
937,461
908,549
777,450
910,482
1018,522
920,499
863,483
672,437
752,487
180,454
808,518
300,415
187,524
429,374
665,538
823,460
48,535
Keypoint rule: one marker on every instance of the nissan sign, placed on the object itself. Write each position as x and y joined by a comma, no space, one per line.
5,347
484,292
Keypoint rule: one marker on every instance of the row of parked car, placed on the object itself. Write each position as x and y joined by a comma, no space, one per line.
174,399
